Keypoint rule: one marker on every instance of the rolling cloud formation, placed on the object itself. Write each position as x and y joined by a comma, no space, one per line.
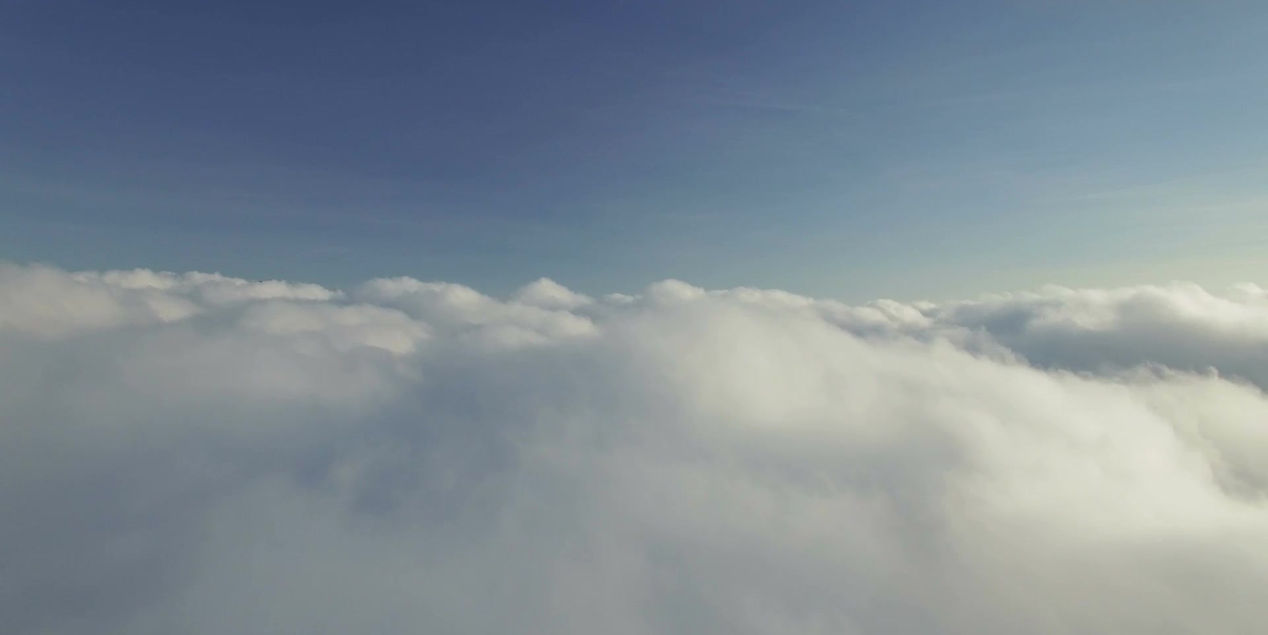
200,454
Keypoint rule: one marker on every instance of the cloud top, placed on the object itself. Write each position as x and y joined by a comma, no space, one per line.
201,454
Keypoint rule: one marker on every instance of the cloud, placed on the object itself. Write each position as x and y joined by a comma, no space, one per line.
548,294
200,454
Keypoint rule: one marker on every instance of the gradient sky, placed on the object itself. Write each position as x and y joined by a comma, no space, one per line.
847,149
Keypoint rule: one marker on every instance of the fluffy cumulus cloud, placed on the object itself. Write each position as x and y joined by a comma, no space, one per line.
200,454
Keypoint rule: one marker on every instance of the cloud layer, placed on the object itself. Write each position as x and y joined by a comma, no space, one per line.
200,454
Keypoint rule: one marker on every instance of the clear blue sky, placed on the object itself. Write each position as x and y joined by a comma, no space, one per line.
849,149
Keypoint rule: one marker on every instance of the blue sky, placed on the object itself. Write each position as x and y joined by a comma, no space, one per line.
848,149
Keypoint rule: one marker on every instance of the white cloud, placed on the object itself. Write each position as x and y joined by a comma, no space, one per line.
198,454
548,294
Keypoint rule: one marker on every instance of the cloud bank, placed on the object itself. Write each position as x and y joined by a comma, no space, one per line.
199,454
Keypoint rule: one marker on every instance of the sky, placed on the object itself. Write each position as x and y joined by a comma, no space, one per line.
634,318
841,149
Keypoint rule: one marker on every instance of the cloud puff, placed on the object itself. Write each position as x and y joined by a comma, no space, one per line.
200,454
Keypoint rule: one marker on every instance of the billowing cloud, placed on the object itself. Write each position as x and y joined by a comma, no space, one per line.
200,454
